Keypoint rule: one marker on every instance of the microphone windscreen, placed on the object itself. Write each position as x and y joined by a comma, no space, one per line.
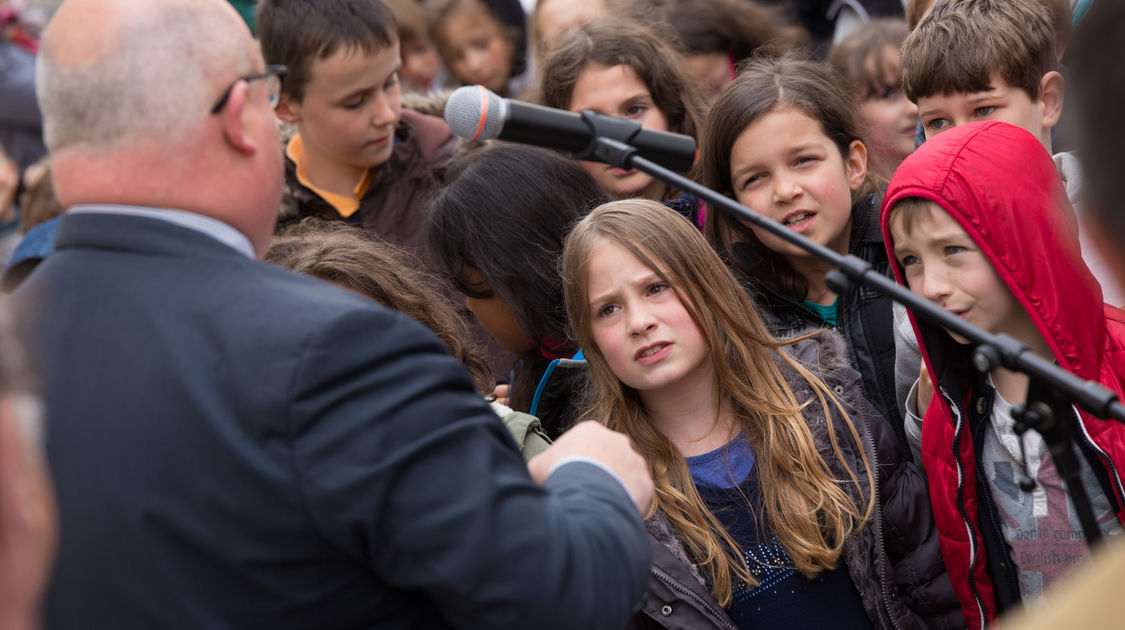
473,112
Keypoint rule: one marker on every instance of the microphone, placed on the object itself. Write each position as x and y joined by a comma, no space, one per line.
475,113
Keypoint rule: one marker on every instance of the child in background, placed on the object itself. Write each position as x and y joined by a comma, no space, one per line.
357,156
717,35
496,229
870,60
476,45
783,140
776,500
359,261
551,19
993,244
619,68
421,69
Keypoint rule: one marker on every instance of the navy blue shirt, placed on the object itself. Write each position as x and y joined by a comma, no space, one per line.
783,598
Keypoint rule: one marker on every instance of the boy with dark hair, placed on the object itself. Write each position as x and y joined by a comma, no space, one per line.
357,155
993,245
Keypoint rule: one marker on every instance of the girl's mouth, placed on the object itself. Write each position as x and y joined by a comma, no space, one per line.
798,218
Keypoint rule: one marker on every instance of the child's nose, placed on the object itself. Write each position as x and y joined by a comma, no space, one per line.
640,320
785,187
384,113
935,285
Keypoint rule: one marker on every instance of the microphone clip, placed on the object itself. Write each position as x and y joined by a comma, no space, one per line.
610,140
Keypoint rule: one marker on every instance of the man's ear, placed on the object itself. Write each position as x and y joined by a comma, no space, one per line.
288,110
855,164
232,117
1050,98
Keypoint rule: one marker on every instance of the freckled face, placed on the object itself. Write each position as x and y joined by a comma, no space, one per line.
943,264
639,324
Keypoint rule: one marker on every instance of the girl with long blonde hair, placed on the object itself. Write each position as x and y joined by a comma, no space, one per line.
781,499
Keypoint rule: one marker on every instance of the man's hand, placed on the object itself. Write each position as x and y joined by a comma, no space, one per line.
503,393
609,448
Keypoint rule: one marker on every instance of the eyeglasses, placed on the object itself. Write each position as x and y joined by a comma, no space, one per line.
272,76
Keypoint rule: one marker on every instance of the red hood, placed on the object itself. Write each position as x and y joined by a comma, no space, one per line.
997,181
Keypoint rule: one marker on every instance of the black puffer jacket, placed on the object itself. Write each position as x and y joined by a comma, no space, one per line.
864,317
894,561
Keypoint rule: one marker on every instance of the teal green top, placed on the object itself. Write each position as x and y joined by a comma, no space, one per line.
828,313
245,8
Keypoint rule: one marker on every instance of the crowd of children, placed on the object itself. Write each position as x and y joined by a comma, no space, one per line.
819,458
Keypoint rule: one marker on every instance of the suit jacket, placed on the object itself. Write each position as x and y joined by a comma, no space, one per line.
235,445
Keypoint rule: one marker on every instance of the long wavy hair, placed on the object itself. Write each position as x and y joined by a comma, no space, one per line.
765,85
808,509
355,259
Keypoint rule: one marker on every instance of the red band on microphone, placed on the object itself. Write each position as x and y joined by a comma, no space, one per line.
483,111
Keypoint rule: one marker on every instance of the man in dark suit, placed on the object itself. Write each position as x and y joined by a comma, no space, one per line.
237,446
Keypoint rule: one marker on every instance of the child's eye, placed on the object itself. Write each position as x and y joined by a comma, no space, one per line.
804,159
750,181
658,287
953,249
392,81
985,111
908,260
607,310
937,124
356,102
889,94
633,111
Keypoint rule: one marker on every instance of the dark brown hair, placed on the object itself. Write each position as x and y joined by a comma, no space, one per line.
959,44
735,27
617,42
765,85
504,211
410,19
358,260
297,32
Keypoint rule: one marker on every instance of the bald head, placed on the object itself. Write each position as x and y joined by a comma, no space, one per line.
115,72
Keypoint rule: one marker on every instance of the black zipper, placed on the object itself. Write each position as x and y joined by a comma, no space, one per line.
1106,460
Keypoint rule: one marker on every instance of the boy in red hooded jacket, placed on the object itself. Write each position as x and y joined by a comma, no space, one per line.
978,223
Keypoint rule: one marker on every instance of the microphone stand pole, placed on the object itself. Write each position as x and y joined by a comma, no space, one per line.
1047,409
